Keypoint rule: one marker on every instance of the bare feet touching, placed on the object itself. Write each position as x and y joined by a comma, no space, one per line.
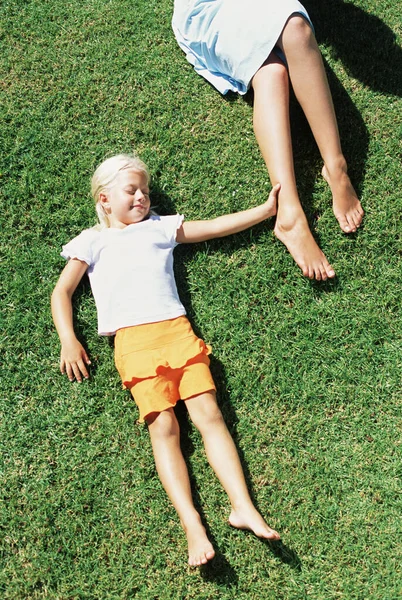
249,518
346,205
200,549
294,232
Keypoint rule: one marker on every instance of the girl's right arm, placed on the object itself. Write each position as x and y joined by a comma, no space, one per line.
200,231
73,358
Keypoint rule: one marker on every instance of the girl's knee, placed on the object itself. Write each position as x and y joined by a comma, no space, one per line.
206,414
163,424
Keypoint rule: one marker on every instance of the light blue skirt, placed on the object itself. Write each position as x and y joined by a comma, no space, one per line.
227,41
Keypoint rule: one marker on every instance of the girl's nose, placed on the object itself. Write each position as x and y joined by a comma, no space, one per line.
139,196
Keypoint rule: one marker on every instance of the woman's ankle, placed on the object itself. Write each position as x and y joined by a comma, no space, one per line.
288,217
335,166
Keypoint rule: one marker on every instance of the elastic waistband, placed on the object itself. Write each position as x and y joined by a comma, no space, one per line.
152,335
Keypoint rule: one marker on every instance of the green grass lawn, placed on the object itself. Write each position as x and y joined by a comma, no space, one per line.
309,375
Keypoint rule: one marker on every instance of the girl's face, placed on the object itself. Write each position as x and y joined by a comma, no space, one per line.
127,201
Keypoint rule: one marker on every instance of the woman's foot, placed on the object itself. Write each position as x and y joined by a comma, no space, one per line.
200,549
294,232
346,205
249,518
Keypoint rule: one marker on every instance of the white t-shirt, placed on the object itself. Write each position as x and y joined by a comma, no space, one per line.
131,272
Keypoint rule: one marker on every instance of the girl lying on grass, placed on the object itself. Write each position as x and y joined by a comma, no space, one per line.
129,261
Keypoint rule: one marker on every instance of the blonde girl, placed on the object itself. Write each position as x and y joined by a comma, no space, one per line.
129,260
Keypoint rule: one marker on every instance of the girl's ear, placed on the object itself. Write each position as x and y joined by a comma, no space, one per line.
103,200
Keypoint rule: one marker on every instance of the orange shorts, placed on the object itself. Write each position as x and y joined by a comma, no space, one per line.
161,363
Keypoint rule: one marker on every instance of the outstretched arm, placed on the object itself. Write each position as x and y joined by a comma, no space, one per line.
73,358
200,231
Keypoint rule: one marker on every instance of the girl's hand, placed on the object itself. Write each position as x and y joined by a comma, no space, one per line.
272,203
74,361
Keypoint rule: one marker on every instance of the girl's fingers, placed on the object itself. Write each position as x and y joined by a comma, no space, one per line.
76,370
83,369
69,371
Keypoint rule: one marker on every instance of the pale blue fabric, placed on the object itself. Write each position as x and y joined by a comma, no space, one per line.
227,41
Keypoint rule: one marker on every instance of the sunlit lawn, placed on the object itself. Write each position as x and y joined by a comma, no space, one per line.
308,374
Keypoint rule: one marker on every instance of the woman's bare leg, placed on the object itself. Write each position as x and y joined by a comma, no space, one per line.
310,85
172,470
224,459
272,130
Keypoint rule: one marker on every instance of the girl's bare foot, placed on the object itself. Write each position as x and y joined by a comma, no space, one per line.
294,232
346,205
200,549
249,518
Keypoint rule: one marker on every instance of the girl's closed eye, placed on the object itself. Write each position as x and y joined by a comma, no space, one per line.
133,191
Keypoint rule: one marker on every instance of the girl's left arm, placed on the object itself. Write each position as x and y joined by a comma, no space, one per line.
200,231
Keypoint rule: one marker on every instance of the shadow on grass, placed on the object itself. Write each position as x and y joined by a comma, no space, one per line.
285,554
83,327
220,572
279,549
365,45
83,291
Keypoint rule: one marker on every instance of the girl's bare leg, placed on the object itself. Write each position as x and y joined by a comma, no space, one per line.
272,130
224,459
310,85
172,470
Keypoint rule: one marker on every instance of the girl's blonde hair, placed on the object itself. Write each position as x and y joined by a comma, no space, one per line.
105,174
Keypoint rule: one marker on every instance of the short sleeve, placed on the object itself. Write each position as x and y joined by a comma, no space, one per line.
170,225
81,247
